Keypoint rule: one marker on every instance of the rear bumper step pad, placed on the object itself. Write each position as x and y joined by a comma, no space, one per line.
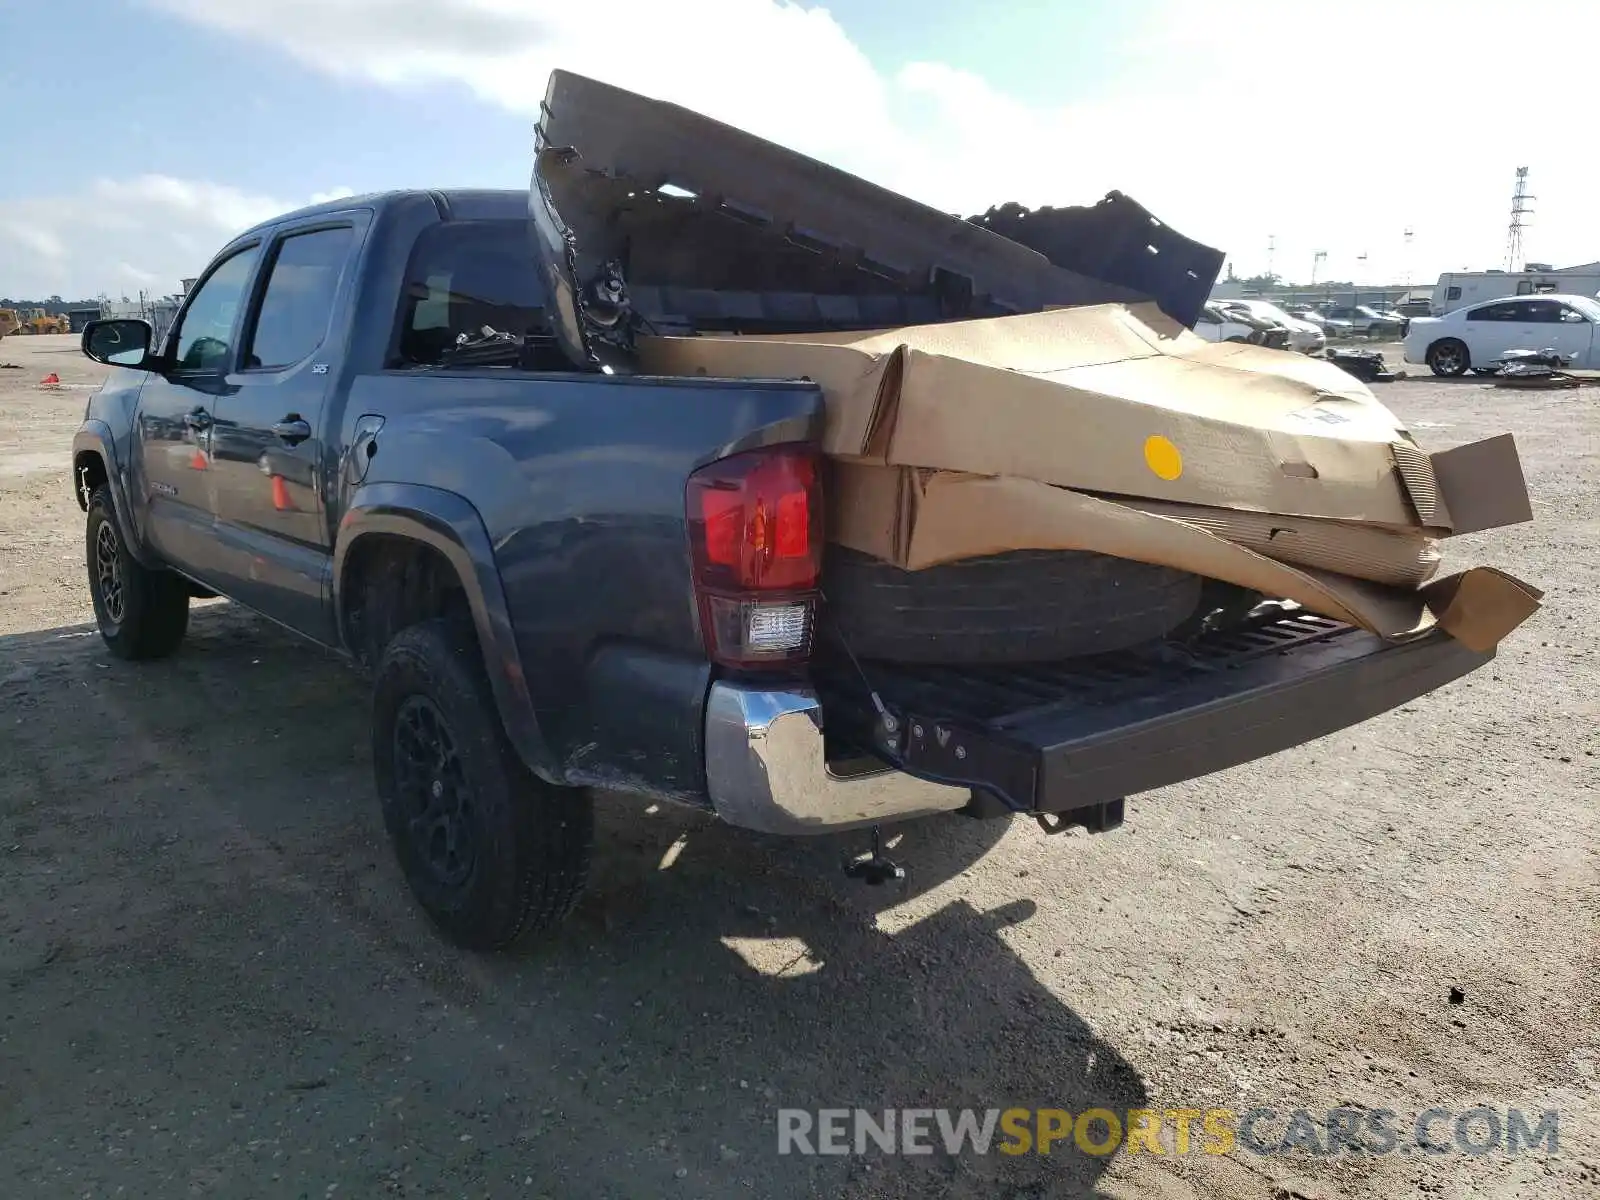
1058,737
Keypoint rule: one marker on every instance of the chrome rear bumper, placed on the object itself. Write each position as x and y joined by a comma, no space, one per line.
765,769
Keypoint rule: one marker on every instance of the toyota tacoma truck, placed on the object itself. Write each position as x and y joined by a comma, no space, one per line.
407,427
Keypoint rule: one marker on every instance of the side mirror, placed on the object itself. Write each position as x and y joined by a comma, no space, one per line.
120,343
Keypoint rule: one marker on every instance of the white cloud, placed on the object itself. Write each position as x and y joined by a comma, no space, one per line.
141,278
1333,129
759,63
34,238
147,232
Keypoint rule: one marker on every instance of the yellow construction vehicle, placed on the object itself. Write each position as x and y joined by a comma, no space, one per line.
10,322
36,320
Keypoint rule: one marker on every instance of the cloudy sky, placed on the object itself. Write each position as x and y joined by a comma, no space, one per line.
150,130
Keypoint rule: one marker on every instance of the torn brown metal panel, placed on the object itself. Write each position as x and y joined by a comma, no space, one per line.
653,143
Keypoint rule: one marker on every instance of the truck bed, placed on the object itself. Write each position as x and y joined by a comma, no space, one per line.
1055,737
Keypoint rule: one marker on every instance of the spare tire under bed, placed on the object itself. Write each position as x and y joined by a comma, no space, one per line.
1024,606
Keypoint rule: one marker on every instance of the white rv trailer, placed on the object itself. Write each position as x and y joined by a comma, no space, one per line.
1457,289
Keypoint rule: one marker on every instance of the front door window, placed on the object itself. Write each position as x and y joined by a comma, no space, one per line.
205,332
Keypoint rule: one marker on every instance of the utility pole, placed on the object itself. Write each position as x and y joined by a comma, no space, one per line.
1272,254
1521,210
1317,259
1408,236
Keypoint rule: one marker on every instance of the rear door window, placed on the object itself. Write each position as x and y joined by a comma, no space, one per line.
1505,311
469,277
298,301
1543,312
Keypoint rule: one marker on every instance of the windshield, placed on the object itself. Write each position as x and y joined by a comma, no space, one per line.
1271,311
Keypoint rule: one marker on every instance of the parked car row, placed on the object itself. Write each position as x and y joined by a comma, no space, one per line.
1305,336
1476,338
1307,330
1260,323
1228,321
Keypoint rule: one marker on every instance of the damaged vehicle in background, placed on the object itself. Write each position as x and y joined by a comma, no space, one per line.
667,476
1304,336
1269,331
1218,324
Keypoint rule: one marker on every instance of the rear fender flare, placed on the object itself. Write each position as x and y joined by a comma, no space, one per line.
450,525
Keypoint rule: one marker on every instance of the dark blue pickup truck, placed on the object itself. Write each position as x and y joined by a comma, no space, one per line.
406,426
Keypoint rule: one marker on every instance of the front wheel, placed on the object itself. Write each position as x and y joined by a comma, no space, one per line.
142,613
1449,358
491,852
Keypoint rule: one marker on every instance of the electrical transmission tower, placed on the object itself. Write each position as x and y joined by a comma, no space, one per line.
1521,210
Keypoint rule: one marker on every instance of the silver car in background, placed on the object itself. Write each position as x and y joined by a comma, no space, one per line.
1304,336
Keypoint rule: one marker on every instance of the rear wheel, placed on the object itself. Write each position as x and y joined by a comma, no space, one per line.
1449,358
142,613
491,852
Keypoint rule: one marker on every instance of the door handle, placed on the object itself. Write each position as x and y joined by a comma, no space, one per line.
197,418
292,430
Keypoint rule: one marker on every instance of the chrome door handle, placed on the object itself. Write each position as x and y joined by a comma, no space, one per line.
292,430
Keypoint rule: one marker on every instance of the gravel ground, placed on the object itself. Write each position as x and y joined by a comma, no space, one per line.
212,981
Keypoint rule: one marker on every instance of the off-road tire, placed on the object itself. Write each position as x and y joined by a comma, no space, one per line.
1023,606
531,840
142,613
1449,357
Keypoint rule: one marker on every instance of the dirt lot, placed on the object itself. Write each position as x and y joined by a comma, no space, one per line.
212,981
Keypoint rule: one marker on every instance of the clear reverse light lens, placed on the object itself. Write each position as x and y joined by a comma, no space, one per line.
777,627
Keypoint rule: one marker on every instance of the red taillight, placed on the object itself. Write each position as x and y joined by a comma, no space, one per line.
755,527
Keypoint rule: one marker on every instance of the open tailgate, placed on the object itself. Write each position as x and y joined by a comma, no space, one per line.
1061,736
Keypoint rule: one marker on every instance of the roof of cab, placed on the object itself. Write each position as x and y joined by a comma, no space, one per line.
465,204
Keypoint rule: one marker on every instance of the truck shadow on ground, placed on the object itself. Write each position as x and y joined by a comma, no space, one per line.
709,978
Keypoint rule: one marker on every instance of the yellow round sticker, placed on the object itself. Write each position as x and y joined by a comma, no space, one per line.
1162,457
